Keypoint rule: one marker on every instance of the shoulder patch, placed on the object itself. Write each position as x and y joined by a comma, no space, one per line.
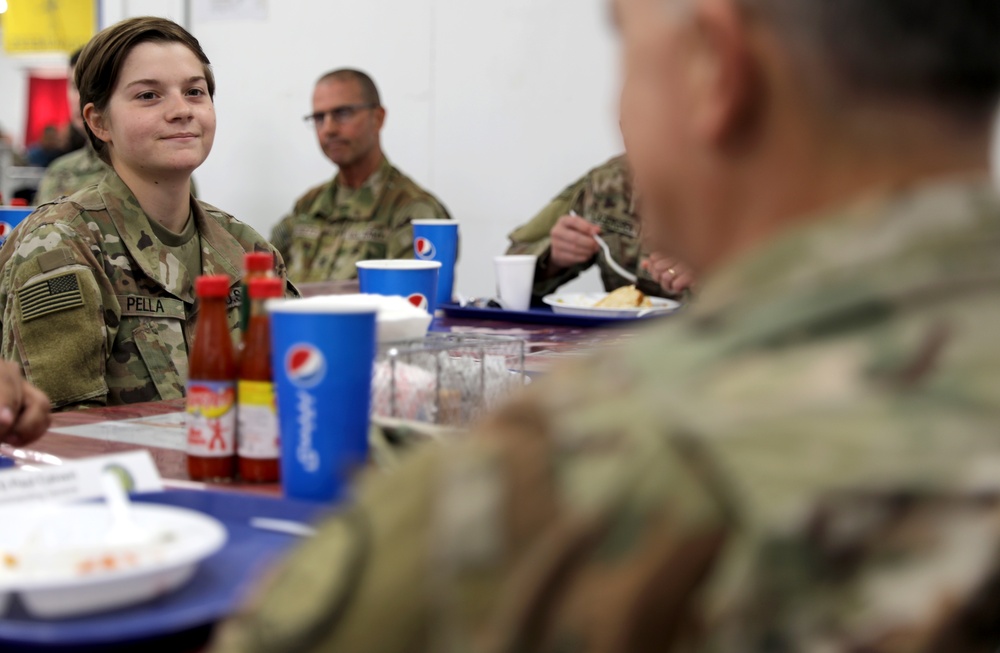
50,296
55,259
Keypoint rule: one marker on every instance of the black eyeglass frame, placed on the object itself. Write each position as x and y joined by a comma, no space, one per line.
339,115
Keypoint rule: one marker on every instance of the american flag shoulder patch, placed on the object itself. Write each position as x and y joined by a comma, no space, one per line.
50,296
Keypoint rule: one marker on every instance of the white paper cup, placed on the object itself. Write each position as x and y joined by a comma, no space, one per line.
515,277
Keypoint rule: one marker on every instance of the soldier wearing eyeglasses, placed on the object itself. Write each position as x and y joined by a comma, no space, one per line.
366,211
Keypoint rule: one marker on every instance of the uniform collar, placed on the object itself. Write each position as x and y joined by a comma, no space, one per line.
362,203
891,248
220,251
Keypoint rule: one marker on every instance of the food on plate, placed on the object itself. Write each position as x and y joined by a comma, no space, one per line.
625,297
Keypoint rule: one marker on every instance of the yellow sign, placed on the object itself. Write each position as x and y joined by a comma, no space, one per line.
48,25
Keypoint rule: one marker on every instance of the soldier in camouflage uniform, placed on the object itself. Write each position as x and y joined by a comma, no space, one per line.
807,461
69,173
367,210
97,295
599,202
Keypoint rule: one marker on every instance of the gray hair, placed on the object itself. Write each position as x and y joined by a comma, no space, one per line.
943,53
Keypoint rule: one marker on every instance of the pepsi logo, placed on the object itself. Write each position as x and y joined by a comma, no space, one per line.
418,300
424,248
5,229
305,366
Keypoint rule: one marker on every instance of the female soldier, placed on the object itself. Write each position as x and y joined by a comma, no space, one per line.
97,289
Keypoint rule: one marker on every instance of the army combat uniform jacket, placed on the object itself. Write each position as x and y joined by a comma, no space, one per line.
602,196
807,461
333,227
96,310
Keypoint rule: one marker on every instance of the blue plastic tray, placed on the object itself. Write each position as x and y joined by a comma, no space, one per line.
537,315
217,589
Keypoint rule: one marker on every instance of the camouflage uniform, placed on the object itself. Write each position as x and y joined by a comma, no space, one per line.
72,172
602,196
69,173
806,461
95,310
333,227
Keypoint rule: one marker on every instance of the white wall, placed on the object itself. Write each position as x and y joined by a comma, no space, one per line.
493,106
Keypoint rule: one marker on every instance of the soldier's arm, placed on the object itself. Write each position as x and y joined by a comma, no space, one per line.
53,315
534,238
281,236
508,538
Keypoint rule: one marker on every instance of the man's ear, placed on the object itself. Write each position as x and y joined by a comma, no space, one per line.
723,71
97,122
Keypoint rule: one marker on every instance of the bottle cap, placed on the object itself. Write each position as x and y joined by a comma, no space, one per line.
18,201
212,286
258,262
266,288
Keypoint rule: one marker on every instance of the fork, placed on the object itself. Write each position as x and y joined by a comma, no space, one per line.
613,263
628,276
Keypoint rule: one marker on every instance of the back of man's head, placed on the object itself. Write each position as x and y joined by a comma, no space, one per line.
941,54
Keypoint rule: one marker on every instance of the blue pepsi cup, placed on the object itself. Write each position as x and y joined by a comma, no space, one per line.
417,281
10,217
437,240
322,353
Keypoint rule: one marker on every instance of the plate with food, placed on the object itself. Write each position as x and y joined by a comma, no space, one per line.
68,560
626,302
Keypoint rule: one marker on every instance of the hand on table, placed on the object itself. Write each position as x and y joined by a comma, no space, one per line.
24,409
572,241
672,275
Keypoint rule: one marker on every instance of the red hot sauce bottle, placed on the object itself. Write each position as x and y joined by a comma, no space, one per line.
259,447
211,388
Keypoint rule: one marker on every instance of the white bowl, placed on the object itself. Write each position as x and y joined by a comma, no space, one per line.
66,568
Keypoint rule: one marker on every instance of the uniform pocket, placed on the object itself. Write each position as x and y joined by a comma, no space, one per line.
163,350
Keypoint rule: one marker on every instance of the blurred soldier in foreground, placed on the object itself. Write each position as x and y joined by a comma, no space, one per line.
366,210
808,459
562,237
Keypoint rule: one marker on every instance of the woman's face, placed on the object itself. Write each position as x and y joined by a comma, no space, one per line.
160,119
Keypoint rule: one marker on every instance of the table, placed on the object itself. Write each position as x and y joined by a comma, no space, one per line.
546,346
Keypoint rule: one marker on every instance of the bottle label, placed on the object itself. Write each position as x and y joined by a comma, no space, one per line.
211,418
258,421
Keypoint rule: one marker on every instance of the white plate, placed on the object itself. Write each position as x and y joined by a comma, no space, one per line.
56,558
582,303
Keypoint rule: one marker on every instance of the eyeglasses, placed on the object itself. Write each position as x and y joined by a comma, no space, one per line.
339,115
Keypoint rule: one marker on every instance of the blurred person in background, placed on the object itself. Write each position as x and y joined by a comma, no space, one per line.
97,289
807,459
50,146
602,202
366,211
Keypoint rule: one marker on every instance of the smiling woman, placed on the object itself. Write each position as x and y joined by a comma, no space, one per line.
97,288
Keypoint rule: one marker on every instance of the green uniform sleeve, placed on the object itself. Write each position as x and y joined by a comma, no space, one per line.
53,317
281,236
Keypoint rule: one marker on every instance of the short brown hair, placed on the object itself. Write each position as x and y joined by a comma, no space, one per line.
101,61
369,92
